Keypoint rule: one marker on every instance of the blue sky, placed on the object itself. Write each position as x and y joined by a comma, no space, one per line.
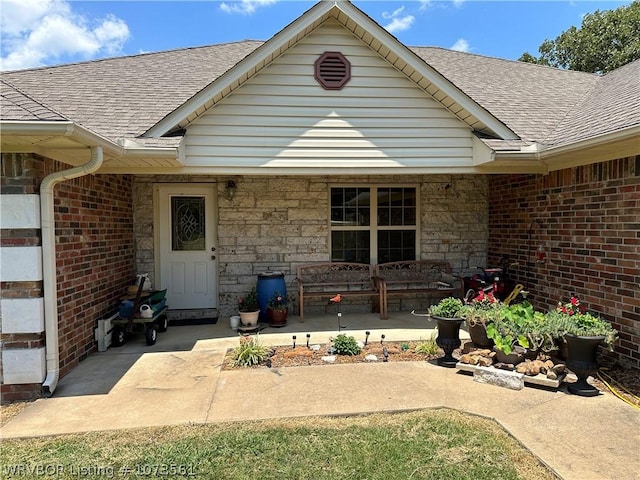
49,32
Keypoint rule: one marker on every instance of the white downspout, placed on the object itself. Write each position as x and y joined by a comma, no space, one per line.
50,284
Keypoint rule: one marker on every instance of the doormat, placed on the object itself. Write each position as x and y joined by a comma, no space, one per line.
193,321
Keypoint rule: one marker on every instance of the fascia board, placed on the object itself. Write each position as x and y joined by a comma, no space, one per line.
553,157
72,130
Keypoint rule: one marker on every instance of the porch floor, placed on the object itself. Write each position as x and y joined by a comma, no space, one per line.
399,326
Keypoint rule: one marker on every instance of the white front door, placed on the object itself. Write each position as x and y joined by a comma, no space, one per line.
185,237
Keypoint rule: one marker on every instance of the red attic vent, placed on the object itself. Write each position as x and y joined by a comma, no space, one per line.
332,70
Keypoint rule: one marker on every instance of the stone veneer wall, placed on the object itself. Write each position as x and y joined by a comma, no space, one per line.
276,223
590,228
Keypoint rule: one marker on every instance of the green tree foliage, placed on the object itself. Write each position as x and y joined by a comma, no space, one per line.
606,40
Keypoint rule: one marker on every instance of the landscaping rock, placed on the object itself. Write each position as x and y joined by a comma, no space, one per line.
329,359
371,358
501,378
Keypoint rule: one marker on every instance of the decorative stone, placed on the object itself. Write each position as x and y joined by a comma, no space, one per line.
501,378
360,344
315,348
371,358
329,358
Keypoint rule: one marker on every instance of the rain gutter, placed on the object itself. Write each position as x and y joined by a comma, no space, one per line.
50,285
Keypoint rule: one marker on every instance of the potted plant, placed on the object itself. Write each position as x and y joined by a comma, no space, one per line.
480,312
277,310
509,337
447,315
583,332
249,310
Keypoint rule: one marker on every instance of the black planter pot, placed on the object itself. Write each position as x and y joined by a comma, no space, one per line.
448,339
581,360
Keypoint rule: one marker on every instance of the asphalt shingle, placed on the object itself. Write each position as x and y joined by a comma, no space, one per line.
123,97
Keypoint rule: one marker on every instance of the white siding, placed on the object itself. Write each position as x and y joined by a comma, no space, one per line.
284,118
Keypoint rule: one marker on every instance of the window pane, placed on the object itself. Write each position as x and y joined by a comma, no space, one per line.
187,223
396,206
350,206
350,246
395,246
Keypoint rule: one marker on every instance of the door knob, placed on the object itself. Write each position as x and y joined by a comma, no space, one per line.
213,257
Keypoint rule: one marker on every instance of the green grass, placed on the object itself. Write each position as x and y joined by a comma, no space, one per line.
431,444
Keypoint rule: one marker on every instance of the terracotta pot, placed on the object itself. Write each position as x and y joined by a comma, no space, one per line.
277,318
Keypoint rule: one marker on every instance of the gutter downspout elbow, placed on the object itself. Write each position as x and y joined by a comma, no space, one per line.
50,284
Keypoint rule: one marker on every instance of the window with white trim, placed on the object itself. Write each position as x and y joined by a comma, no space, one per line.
374,224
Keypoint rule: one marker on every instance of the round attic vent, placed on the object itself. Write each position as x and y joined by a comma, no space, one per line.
332,70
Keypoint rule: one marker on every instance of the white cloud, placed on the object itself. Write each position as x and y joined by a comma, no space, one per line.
424,4
245,7
395,13
461,45
398,23
458,3
37,32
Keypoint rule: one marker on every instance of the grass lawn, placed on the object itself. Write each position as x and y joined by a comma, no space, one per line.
428,444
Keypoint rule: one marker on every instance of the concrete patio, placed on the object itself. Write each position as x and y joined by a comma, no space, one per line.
179,380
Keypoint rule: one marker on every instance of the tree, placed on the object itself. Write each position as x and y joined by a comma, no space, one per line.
606,40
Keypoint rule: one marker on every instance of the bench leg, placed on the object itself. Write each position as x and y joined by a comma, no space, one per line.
301,306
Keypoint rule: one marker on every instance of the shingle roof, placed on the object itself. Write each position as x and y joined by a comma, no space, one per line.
613,104
18,106
530,99
123,97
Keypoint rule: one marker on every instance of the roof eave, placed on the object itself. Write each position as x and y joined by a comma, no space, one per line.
69,142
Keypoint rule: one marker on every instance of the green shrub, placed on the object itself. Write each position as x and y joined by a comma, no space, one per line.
429,346
249,352
448,307
343,345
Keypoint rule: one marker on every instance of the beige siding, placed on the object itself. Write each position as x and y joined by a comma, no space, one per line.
284,118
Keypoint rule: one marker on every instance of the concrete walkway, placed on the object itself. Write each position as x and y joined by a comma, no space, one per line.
179,380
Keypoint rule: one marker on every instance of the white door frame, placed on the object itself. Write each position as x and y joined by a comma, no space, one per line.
212,220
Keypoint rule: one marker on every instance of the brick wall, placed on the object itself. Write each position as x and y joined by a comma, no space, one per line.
590,228
276,223
95,257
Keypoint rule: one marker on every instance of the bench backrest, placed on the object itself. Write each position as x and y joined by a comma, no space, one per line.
353,275
413,271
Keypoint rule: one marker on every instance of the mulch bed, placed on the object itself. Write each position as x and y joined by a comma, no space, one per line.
624,379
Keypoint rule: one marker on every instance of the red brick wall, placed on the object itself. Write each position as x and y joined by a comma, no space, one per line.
95,256
590,228
95,253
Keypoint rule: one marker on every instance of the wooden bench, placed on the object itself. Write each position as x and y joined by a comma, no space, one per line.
328,279
416,276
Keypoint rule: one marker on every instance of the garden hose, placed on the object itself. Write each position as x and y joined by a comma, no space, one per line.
601,376
514,293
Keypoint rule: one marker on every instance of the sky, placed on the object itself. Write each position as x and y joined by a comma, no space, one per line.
35,33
